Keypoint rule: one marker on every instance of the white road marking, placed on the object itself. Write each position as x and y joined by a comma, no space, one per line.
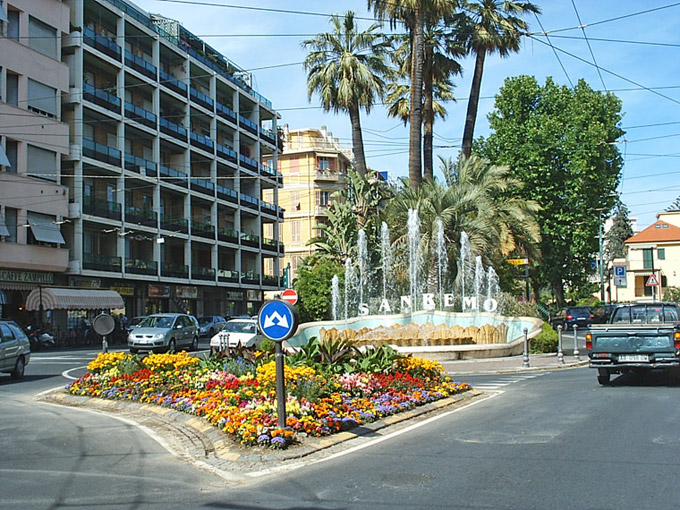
505,380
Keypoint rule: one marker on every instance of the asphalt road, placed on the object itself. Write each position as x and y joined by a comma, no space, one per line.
541,440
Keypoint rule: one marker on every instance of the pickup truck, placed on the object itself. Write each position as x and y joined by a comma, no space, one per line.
638,337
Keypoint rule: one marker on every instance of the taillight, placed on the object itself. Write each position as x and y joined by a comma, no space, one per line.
589,341
676,339
570,317
591,316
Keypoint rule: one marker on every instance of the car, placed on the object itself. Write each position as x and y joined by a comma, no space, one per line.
571,316
15,349
210,324
164,332
237,332
134,322
602,313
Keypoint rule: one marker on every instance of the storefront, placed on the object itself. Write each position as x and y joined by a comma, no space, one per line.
15,287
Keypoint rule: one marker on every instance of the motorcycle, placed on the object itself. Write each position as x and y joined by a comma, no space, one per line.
40,338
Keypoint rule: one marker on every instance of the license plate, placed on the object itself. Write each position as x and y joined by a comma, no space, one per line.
634,357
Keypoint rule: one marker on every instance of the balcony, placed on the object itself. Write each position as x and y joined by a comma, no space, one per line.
270,281
228,275
199,228
138,266
96,262
101,208
141,216
171,129
140,65
281,212
268,136
172,83
327,175
101,98
250,240
270,245
175,270
250,278
140,165
175,224
200,141
226,194
225,152
200,98
248,163
227,235
101,152
101,43
249,201
203,186
268,170
172,176
202,273
268,208
140,115
225,112
248,125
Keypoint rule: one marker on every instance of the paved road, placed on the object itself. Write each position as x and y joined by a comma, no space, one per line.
541,440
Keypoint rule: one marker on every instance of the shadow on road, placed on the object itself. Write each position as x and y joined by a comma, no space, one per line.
7,380
648,378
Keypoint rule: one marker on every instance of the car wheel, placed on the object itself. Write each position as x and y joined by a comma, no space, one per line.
172,346
194,344
133,350
19,368
603,376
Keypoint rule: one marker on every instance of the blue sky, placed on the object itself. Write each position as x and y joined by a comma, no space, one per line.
635,45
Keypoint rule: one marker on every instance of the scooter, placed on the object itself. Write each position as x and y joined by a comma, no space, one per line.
40,339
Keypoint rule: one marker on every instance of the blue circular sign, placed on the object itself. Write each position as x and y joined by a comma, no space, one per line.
277,320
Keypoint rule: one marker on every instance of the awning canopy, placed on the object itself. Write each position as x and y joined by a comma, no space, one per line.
73,299
4,231
3,298
45,228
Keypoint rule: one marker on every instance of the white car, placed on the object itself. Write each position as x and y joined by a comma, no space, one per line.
237,332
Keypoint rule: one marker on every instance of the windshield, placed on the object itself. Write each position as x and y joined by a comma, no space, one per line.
156,322
240,327
204,320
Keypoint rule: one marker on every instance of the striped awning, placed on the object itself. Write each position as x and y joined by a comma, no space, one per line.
73,299
3,298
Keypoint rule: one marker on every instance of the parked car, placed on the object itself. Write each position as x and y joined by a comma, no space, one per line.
237,332
210,324
134,322
570,316
164,332
15,349
602,313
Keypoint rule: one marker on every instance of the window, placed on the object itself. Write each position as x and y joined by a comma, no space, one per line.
323,198
648,258
295,200
12,89
12,24
11,153
11,224
661,253
43,230
42,37
42,163
295,230
322,163
42,99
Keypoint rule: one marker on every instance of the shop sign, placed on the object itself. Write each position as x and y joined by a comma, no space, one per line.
124,291
26,277
85,283
186,292
234,295
254,295
158,291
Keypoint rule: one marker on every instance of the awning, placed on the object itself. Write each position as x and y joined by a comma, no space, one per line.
73,299
45,228
3,227
4,160
3,298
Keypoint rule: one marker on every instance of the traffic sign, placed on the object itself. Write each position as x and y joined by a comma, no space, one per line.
277,320
619,270
518,262
652,281
290,295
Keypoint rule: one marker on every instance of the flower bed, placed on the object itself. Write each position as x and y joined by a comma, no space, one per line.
238,395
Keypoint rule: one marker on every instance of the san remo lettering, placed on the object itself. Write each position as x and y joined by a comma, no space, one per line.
26,277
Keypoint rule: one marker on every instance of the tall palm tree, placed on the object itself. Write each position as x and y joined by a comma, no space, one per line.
489,26
346,68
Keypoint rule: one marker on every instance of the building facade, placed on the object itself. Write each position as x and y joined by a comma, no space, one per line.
162,163
313,166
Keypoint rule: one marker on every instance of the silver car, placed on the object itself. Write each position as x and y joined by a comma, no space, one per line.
164,332
15,349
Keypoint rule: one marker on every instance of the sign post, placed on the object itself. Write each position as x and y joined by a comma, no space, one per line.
278,320
653,282
103,324
525,263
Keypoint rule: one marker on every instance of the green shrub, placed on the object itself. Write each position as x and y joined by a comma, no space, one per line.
545,341
267,345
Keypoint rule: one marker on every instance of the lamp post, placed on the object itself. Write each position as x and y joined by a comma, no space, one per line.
601,264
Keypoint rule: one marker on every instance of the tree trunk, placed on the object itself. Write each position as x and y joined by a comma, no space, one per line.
357,141
428,116
473,104
415,114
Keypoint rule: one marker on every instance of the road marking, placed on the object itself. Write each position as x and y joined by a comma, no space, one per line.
505,380
66,374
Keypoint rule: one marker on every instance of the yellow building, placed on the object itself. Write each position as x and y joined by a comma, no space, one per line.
314,166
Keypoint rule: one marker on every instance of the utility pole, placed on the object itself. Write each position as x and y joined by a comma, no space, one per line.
601,261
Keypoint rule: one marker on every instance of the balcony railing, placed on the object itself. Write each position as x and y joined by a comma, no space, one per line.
247,124
98,262
172,129
200,98
101,43
249,201
268,136
250,240
101,97
270,245
140,115
268,170
250,277
249,163
101,152
226,193
225,152
199,228
268,208
141,216
227,235
225,112
140,65
175,270
172,176
202,186
172,83
175,224
138,266
200,141
327,175
101,208
270,280
228,275
140,165
202,273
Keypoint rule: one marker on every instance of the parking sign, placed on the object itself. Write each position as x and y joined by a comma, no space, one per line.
620,279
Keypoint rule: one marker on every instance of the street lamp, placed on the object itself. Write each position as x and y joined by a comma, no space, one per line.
600,261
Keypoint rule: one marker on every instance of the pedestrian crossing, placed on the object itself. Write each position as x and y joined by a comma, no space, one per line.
502,380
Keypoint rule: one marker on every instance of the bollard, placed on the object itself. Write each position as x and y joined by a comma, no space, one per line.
105,344
560,354
576,353
525,359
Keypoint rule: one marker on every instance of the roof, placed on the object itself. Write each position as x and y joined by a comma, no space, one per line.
659,231
73,299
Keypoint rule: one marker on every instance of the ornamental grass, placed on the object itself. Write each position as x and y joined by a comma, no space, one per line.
238,394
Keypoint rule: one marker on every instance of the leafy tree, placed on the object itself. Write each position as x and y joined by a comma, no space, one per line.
346,68
489,26
561,143
615,238
313,285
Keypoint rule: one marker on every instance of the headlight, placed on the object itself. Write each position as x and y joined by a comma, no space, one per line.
159,336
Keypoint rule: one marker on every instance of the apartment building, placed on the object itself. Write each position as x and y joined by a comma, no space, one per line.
314,166
163,166
34,138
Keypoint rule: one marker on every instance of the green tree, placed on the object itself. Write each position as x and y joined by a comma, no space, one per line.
617,235
487,27
313,285
346,68
561,143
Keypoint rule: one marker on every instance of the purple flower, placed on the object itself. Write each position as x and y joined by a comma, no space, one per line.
278,441
263,438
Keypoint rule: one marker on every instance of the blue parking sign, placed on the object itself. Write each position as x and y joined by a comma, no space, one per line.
619,271
277,320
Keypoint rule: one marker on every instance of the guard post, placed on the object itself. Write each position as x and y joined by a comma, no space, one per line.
560,354
576,353
525,359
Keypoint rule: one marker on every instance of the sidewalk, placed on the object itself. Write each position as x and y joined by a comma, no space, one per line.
512,364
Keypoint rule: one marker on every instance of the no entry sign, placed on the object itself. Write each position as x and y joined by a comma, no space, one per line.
290,295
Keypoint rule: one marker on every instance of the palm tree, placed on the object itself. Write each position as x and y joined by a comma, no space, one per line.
413,14
489,26
346,68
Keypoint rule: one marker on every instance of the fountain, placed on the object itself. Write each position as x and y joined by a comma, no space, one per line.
335,297
479,280
415,257
386,258
363,263
442,259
